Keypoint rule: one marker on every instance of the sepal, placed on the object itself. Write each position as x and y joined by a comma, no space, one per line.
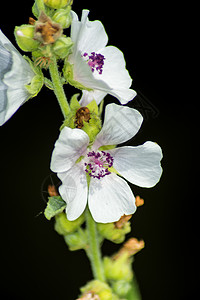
55,206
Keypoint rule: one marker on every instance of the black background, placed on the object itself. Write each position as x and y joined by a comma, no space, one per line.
35,262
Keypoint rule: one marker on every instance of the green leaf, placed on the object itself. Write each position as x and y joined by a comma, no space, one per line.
55,206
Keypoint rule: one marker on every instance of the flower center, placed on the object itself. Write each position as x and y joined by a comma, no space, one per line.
95,61
98,163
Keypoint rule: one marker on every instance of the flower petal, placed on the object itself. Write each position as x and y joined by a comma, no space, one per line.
115,74
15,73
83,74
87,97
71,144
74,191
110,198
121,124
139,165
88,36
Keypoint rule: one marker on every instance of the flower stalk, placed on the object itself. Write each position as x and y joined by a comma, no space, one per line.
58,87
93,252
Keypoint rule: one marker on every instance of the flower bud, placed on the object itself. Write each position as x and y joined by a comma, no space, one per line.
57,3
96,289
121,287
24,35
76,240
112,231
64,226
63,17
118,269
62,47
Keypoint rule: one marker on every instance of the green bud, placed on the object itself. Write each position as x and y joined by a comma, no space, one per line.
24,35
99,289
76,240
118,269
62,47
64,226
57,3
110,232
121,287
63,17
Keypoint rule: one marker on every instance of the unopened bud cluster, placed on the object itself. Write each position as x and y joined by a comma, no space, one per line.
44,36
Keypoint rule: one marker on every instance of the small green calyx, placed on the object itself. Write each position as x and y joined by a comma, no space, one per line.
85,118
24,36
56,4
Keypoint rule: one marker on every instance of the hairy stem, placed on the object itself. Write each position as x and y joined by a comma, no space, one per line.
58,88
93,252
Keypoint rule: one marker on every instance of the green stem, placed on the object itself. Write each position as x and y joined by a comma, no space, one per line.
94,253
58,87
40,5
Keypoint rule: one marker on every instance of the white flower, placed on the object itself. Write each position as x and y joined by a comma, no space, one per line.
96,66
15,73
108,195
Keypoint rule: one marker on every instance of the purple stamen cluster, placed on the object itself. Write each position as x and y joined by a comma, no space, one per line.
95,61
98,164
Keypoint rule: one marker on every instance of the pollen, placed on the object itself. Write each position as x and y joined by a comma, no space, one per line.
95,61
98,164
